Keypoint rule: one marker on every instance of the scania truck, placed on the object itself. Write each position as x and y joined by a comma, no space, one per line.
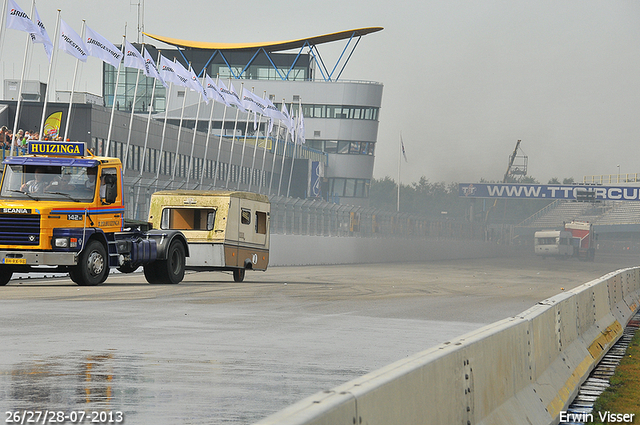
62,206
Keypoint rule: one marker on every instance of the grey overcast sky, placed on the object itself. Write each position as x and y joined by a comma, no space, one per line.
463,79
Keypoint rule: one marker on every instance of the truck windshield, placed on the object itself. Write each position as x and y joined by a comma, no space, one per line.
51,183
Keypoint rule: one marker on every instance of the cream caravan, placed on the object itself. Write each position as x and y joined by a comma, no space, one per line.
224,230
554,243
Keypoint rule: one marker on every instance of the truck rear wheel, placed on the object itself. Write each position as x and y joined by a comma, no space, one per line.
5,275
170,270
93,265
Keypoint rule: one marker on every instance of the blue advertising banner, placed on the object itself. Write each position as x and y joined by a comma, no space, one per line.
549,191
56,148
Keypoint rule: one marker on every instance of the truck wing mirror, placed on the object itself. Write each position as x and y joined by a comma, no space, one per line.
111,188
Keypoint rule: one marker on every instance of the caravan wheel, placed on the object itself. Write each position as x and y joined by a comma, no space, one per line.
238,275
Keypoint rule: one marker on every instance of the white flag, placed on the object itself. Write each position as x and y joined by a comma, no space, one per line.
132,57
183,76
71,42
253,103
288,120
18,20
167,71
213,91
300,137
102,48
231,96
195,85
41,36
150,67
273,112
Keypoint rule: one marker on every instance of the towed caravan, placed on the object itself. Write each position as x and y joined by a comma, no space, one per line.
225,230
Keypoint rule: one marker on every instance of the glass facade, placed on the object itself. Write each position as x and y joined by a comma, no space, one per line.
349,188
124,96
235,66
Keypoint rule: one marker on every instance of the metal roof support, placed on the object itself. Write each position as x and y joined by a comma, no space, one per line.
347,61
229,66
273,64
294,63
215,52
183,57
316,56
341,54
249,63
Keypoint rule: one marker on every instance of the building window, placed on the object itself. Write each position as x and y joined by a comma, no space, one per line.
349,188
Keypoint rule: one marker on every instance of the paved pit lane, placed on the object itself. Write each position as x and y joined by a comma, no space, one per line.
217,352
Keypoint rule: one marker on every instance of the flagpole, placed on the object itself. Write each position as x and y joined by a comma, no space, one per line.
3,27
233,137
46,90
175,163
399,164
224,116
255,149
164,128
273,162
244,144
295,146
133,108
146,140
193,141
264,150
284,154
206,144
115,95
284,151
73,86
19,104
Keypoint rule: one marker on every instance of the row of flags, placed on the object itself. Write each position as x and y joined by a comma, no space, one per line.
166,71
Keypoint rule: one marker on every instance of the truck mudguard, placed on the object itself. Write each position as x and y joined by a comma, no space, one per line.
163,240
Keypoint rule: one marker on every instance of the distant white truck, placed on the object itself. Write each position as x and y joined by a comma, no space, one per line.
576,240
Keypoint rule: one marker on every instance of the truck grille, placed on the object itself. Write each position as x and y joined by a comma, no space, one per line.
19,229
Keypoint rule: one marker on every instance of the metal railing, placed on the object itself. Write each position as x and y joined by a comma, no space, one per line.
612,178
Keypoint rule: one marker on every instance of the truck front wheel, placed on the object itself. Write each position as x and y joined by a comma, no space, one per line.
5,275
170,270
93,265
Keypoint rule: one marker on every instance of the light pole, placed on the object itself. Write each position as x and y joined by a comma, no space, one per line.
618,173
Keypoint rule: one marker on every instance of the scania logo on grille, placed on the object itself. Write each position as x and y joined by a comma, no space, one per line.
32,238
16,210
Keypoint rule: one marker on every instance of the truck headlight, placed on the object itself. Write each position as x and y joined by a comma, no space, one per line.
61,242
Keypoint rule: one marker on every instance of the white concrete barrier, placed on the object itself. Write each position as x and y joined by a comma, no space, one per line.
525,369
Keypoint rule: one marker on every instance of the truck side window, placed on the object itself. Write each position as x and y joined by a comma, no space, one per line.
109,186
261,222
245,216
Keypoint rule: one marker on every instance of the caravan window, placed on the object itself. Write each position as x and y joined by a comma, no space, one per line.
188,219
546,241
245,216
261,222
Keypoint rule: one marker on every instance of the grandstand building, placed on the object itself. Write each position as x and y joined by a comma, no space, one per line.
340,119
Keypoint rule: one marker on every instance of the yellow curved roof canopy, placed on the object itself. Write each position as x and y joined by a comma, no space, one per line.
273,46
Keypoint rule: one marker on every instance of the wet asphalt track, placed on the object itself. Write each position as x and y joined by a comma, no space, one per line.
211,351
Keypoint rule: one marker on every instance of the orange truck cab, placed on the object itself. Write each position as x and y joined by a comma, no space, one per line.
62,206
